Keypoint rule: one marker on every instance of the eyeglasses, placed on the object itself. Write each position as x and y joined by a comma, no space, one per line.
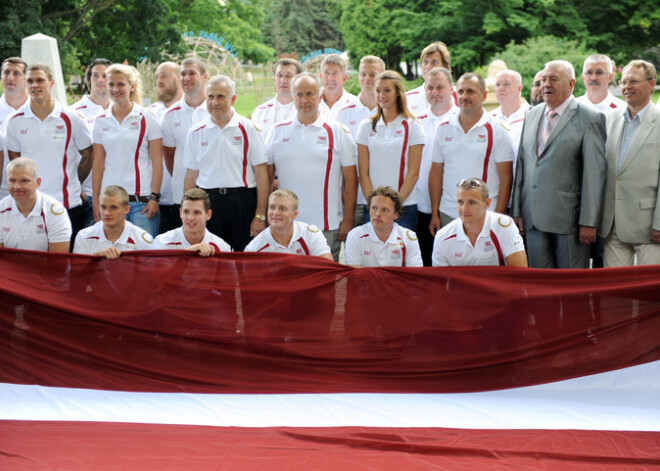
632,83
470,182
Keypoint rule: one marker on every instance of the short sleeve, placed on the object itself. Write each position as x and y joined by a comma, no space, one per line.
362,135
437,155
511,240
59,225
97,135
153,127
189,158
502,148
345,146
82,136
438,258
416,133
413,254
318,243
169,140
81,245
10,136
257,149
352,251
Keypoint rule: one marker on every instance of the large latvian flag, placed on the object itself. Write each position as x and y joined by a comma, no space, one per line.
266,362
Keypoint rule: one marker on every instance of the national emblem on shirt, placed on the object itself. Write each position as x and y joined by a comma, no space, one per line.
147,238
504,221
40,229
411,235
313,228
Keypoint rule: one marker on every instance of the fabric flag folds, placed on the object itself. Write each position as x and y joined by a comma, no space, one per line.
265,361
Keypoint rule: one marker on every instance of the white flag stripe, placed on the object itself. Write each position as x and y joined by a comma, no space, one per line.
624,400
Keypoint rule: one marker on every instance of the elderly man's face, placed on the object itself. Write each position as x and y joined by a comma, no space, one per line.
557,86
635,87
595,77
507,88
306,96
219,101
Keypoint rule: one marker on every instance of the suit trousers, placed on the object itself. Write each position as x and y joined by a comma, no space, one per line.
622,254
548,250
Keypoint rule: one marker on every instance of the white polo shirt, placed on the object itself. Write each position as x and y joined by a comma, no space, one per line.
351,116
416,100
389,148
176,240
175,124
5,112
224,157
306,240
309,161
270,113
498,239
609,104
47,223
430,122
54,145
344,100
90,111
92,239
364,248
468,155
513,125
127,158
157,108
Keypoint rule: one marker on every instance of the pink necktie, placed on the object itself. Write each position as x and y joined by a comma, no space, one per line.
546,131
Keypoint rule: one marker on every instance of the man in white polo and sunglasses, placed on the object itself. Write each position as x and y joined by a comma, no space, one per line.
478,236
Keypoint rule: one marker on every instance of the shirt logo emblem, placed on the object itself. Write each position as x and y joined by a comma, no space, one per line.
204,144
367,253
481,136
177,125
40,229
399,131
448,139
6,229
352,122
23,131
396,252
458,254
488,243
285,139
106,129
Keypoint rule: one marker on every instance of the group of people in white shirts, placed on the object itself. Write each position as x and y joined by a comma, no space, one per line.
358,169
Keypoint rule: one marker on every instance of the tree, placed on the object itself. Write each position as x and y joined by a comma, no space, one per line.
301,26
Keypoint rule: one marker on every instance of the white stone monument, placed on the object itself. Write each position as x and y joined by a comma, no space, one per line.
43,49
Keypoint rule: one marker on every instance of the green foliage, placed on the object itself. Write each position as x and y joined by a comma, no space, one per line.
18,19
530,57
302,26
238,21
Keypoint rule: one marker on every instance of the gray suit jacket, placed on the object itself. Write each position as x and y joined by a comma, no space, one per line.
631,194
562,189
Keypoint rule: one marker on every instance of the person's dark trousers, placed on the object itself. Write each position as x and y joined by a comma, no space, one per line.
233,212
77,218
169,217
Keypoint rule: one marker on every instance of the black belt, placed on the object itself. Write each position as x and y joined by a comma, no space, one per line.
138,199
226,191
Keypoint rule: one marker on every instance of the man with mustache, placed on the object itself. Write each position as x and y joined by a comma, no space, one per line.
597,73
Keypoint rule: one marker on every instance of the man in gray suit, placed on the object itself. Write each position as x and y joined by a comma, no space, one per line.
560,174
631,207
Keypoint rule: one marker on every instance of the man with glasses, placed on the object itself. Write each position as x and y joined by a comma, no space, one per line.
631,207
597,73
478,236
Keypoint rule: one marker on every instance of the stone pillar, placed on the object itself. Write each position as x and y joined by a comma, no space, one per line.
43,49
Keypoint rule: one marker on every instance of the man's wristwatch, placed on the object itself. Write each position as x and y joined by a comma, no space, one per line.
155,197
261,217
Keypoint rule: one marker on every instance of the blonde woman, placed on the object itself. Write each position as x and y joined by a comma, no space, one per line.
127,149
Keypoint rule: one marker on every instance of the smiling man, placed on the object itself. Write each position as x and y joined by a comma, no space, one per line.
382,242
195,211
469,143
30,219
286,235
560,174
113,234
434,55
225,156
333,76
478,236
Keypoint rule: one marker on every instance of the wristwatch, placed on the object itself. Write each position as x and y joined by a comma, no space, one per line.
260,217
155,197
